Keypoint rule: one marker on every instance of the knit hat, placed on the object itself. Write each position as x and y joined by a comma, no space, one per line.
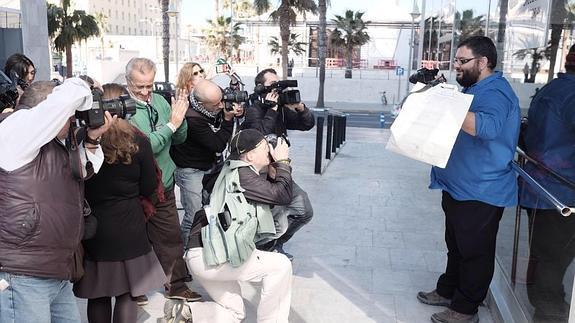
244,141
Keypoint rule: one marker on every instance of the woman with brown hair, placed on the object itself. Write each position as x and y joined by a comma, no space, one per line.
190,74
119,261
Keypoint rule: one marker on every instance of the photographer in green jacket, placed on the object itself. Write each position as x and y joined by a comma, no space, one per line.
164,125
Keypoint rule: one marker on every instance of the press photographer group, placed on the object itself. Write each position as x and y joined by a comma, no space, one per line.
91,211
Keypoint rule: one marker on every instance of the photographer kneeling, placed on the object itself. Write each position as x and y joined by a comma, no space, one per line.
270,114
41,201
222,251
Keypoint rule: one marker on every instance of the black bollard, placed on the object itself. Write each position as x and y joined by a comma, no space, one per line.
318,144
329,136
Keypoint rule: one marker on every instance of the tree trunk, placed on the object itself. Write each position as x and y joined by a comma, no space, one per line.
68,60
558,14
322,52
284,33
349,65
166,39
217,8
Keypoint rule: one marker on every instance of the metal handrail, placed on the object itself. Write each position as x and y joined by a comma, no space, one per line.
563,209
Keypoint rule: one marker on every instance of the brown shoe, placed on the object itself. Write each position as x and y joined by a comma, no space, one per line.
451,316
141,300
432,298
186,295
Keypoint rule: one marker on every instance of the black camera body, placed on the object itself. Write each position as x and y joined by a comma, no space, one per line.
272,139
165,89
285,96
8,92
423,75
230,96
124,107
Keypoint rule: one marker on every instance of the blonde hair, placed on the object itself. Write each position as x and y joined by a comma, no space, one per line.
118,142
186,74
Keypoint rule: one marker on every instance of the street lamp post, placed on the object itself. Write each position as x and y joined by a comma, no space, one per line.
414,15
173,12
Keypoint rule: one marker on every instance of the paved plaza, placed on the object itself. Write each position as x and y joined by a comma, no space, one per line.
375,240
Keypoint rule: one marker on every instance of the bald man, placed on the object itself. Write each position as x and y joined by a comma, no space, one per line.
210,127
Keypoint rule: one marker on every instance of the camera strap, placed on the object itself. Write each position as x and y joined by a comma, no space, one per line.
74,154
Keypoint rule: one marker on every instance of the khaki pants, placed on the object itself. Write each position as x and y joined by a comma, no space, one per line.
273,270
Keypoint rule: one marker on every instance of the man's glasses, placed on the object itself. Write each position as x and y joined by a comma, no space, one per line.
198,72
463,61
140,88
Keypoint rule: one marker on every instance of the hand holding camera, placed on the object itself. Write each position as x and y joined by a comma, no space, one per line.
271,100
299,107
280,151
237,110
95,133
179,108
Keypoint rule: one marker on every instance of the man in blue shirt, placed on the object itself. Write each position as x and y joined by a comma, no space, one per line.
477,183
550,139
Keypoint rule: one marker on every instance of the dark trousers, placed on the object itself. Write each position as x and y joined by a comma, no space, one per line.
552,250
470,233
299,213
164,234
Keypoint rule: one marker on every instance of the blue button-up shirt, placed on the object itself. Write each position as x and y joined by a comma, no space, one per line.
479,167
550,138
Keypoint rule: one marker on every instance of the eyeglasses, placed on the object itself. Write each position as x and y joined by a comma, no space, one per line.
198,72
463,61
140,88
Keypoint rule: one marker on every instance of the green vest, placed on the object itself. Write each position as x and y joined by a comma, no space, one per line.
249,222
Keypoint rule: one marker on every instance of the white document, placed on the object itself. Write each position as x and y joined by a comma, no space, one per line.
428,124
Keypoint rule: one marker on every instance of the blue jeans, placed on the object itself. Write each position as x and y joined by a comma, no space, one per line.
39,300
189,180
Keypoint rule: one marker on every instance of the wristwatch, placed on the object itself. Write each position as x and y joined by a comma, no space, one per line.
92,141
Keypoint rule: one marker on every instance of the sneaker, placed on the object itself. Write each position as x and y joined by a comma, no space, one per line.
177,311
451,316
186,295
280,249
141,300
432,298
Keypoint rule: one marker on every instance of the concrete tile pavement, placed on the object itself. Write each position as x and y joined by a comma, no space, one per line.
375,240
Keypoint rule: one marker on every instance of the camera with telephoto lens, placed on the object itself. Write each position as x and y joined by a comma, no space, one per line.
230,96
285,96
124,107
8,92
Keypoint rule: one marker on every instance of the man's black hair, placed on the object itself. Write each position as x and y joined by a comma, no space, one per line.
482,46
260,79
18,63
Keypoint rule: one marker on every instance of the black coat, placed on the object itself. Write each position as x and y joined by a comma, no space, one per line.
269,121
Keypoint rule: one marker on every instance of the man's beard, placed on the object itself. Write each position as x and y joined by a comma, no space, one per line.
468,77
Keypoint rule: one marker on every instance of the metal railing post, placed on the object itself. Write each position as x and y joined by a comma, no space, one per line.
318,144
329,136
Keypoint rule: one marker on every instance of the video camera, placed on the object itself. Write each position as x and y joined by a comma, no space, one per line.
124,107
427,76
165,89
8,92
230,96
285,96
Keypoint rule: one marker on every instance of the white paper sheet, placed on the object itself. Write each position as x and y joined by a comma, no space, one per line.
428,124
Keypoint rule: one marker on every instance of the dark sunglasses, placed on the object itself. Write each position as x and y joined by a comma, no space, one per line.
198,72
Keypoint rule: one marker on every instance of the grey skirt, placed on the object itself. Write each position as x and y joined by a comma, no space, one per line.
136,276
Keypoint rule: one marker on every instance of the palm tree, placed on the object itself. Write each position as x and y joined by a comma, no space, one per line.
294,46
102,21
166,38
222,37
286,14
240,8
322,50
349,34
66,28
